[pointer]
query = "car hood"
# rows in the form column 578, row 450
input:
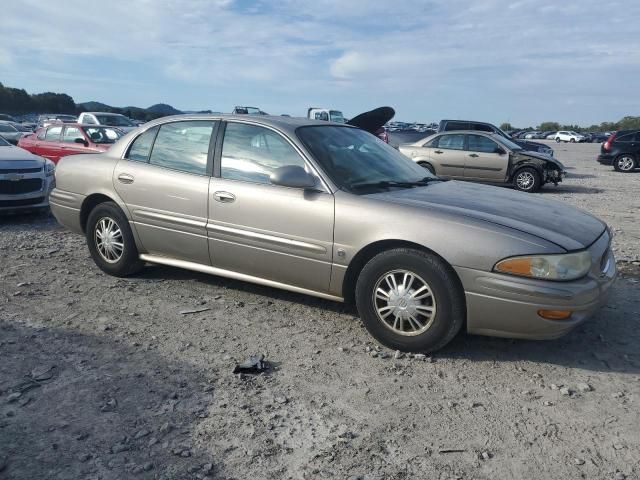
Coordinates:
column 566, row 226
column 373, row 120
column 16, row 157
column 540, row 156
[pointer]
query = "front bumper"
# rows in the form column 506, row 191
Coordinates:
column 605, row 159
column 506, row 306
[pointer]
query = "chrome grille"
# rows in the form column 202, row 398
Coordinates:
column 20, row 170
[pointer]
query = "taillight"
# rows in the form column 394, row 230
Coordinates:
column 607, row 144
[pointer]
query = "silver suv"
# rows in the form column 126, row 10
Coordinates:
column 330, row 210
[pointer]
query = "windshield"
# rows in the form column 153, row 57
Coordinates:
column 508, row 143
column 115, row 120
column 359, row 162
column 336, row 116
column 101, row 135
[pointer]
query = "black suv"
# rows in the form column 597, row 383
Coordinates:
column 622, row 150
column 448, row 125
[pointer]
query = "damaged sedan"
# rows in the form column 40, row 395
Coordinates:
column 329, row 210
column 484, row 157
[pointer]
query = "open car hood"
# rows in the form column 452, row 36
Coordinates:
column 372, row 120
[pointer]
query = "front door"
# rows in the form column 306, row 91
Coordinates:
column 69, row 145
column 164, row 181
column 264, row 230
column 449, row 155
column 485, row 160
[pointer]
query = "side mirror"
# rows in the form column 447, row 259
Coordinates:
column 500, row 151
column 292, row 176
column 82, row 141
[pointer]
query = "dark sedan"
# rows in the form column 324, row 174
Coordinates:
column 622, row 150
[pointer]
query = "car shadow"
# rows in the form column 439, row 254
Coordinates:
column 568, row 188
column 161, row 272
column 609, row 336
column 77, row 405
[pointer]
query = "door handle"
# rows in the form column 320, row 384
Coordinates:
column 438, row 151
column 474, row 155
column 125, row 178
column 224, row 197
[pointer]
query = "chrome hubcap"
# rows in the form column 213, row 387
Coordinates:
column 404, row 302
column 109, row 241
column 625, row 163
column 525, row 180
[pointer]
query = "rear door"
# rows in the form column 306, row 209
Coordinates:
column 48, row 144
column 449, row 155
column 483, row 162
column 268, row 231
column 164, row 181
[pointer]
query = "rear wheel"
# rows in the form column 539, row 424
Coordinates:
column 557, row 139
column 111, row 242
column 624, row 163
column 527, row 180
column 410, row 300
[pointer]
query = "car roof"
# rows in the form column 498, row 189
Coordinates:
column 103, row 113
column 286, row 125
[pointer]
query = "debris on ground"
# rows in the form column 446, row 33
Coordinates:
column 253, row 364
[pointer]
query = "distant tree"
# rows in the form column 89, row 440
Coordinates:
column 506, row 126
column 549, row 126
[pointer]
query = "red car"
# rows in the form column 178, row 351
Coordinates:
column 62, row 139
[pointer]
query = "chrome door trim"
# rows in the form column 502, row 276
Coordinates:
column 198, row 267
column 238, row 232
column 168, row 218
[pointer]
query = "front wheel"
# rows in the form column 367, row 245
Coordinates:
column 111, row 242
column 557, row 139
column 527, row 180
column 410, row 300
column 624, row 163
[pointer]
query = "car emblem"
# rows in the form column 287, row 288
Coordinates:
column 14, row 177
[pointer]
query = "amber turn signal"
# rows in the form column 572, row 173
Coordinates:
column 555, row 314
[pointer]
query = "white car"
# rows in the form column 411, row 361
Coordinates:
column 568, row 136
column 108, row 120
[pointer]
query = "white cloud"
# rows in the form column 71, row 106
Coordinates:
column 418, row 55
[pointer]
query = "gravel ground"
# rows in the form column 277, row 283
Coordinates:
column 105, row 378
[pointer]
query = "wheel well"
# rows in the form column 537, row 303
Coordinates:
column 89, row 204
column 528, row 165
column 367, row 253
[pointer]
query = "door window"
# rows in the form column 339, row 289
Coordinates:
column 183, row 146
column 6, row 129
column 141, row 147
column 252, row 153
column 452, row 142
column 479, row 143
column 53, row 134
column 71, row 134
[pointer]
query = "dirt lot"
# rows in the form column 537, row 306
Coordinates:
column 104, row 378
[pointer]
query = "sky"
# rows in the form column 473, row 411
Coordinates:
column 518, row 61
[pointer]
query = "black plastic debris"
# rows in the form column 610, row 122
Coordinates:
column 253, row 364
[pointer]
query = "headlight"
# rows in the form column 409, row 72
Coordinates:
column 570, row 266
column 49, row 168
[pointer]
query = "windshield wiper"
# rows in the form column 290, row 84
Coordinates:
column 393, row 183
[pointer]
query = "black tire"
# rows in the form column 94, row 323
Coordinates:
column 447, row 298
column 527, row 180
column 128, row 261
column 428, row 166
column 572, row 140
column 557, row 139
column 625, row 163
